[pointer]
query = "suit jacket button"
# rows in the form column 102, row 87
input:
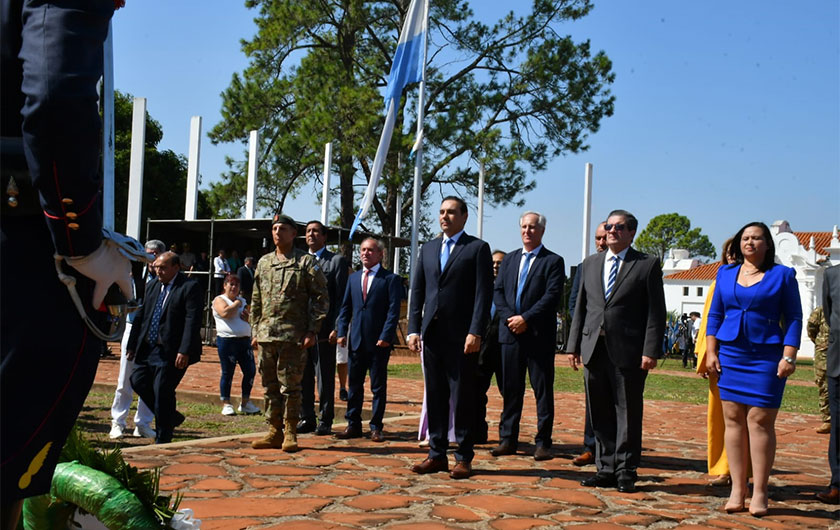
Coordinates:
column 73, row 226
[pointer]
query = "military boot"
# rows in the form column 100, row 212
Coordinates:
column 290, row 443
column 272, row 440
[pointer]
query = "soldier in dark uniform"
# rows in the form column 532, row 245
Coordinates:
column 51, row 61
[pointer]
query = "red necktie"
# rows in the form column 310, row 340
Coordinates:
column 365, row 285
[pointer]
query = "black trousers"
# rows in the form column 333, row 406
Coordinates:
column 489, row 365
column 834, row 437
column 615, row 397
column 518, row 357
column 447, row 370
column 48, row 357
column 360, row 362
column 156, row 384
column 320, row 367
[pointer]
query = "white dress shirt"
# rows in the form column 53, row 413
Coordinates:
column 608, row 265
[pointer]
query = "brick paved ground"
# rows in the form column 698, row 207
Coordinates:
column 359, row 484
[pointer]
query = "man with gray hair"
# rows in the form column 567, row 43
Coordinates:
column 526, row 294
column 370, row 312
column 124, row 394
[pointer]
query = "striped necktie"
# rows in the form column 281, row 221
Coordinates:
column 611, row 278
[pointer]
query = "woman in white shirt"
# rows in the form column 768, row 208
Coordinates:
column 233, row 340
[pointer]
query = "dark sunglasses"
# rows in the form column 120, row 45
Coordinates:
column 618, row 227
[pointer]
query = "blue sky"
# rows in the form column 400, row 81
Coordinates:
column 726, row 112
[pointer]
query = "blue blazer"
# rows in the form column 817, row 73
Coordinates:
column 373, row 319
column 539, row 300
column 770, row 314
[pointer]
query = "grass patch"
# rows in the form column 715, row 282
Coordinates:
column 690, row 388
column 203, row 421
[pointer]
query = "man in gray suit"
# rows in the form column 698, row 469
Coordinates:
column 831, row 309
column 618, row 328
column 320, row 362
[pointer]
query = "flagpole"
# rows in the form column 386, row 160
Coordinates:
column 418, row 160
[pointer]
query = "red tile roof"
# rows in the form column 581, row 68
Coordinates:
column 703, row 272
column 821, row 240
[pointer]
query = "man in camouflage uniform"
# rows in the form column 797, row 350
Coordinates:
column 288, row 305
column 818, row 333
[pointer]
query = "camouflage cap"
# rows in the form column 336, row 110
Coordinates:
column 281, row 218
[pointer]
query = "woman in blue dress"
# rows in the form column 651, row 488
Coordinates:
column 752, row 337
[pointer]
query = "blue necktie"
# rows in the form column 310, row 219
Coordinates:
column 155, row 325
column 444, row 255
column 523, row 275
column 611, row 278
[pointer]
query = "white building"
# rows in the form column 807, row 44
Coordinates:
column 687, row 281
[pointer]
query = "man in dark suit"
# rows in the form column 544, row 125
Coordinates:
column 587, row 457
column 450, row 306
column 526, row 294
column 831, row 309
column 246, row 278
column 320, row 363
column 164, row 340
column 617, row 329
column 372, row 301
column 489, row 362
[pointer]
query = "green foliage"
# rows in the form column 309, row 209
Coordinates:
column 672, row 230
column 144, row 484
column 515, row 93
column 164, row 174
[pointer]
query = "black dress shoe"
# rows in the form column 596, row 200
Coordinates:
column 342, row 394
column 599, row 480
column 350, row 432
column 323, row 429
column 178, row 419
column 626, row 485
column 377, row 436
column 542, row 453
column 305, row 426
column 505, row 447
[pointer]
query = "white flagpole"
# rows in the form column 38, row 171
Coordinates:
column 587, row 206
column 418, row 160
column 481, row 200
column 325, row 197
column 253, row 166
column 191, row 199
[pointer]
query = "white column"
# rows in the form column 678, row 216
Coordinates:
column 108, row 131
column 397, row 229
column 587, row 206
column 253, row 163
column 325, row 195
column 480, row 231
column 135, row 168
column 191, row 202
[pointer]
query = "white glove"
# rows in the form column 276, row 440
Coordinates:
column 106, row 265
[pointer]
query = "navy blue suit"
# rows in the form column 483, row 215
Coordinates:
column 534, row 349
column 831, row 309
column 369, row 320
column 51, row 61
column 155, row 376
column 446, row 306
column 320, row 359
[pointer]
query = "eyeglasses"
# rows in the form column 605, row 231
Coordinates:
column 618, row 227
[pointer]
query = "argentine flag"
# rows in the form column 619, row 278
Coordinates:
column 406, row 68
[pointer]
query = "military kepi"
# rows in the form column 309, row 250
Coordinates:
column 281, row 218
